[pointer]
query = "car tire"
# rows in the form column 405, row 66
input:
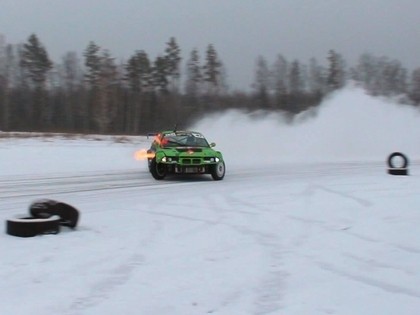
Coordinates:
column 218, row 170
column 158, row 170
column 31, row 226
column 394, row 155
column 69, row 216
column 397, row 170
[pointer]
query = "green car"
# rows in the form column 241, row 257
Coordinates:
column 184, row 152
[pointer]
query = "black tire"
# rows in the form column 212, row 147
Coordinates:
column 69, row 216
column 397, row 154
column 30, row 226
column 218, row 171
column 398, row 171
column 158, row 170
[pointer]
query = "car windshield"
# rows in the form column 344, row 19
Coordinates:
column 184, row 140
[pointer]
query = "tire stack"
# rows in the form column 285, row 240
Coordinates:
column 397, row 170
column 46, row 217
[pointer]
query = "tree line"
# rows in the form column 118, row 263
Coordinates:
column 94, row 93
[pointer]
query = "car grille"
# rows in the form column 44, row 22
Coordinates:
column 191, row 161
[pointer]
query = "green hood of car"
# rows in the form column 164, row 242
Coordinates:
column 187, row 152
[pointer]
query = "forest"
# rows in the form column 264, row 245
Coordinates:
column 94, row 93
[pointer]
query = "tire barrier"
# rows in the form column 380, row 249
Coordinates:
column 30, row 226
column 69, row 215
column 46, row 217
column 397, row 170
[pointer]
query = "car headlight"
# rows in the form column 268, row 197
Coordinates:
column 217, row 159
column 167, row 159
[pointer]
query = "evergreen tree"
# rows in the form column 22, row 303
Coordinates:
column 393, row 78
column 93, row 64
column 295, row 79
column 366, row 73
column 317, row 82
column 380, row 75
column 160, row 74
column 173, row 60
column 336, row 71
column 35, row 60
column 139, row 78
column 194, row 78
column 262, row 83
column 102, row 78
column 296, row 89
column 280, row 81
column 415, row 87
column 139, row 72
column 212, row 71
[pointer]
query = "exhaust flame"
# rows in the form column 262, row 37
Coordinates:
column 143, row 155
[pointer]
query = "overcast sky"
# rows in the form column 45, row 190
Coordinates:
column 240, row 30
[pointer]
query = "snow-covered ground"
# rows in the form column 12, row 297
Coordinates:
column 307, row 221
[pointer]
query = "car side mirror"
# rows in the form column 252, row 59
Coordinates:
column 212, row 144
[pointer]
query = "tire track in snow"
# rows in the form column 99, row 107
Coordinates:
column 118, row 276
column 14, row 189
column 269, row 292
column 383, row 285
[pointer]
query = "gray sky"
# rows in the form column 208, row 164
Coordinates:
column 240, row 30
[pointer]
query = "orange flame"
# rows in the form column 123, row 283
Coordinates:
column 157, row 138
column 143, row 155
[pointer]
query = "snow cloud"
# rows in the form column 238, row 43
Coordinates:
column 348, row 126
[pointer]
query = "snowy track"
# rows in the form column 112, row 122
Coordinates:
column 64, row 184
column 288, row 239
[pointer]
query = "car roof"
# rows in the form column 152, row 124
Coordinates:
column 180, row 132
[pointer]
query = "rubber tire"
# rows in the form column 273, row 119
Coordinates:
column 399, row 154
column 398, row 171
column 218, row 171
column 392, row 170
column 69, row 216
column 158, row 170
column 30, row 226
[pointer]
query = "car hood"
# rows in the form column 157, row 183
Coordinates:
column 189, row 151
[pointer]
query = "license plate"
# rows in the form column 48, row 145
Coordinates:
column 191, row 170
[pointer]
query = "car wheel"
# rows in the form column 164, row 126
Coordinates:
column 218, row 171
column 158, row 170
column 69, row 216
column 30, row 226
